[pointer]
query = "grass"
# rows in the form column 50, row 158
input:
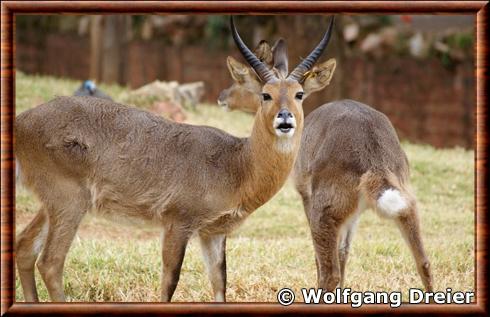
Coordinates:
column 273, row 249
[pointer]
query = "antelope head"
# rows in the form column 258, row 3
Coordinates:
column 246, row 92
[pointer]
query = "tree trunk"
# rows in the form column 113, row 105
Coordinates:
column 95, row 46
column 109, row 39
column 114, row 48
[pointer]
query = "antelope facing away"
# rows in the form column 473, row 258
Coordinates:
column 350, row 158
column 82, row 153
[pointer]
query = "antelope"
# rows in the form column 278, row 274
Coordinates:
column 80, row 154
column 350, row 159
column 238, row 98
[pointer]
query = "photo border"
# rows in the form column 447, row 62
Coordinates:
column 10, row 8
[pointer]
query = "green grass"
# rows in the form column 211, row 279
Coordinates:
column 273, row 249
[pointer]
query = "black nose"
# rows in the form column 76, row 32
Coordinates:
column 284, row 114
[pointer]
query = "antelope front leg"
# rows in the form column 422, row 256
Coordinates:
column 214, row 252
column 61, row 232
column 410, row 229
column 174, row 243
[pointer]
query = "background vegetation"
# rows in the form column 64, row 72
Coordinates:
column 273, row 249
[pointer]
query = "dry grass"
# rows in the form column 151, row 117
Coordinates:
column 272, row 250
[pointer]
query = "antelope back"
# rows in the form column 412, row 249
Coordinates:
column 344, row 139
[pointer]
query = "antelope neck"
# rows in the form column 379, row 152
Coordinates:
column 267, row 167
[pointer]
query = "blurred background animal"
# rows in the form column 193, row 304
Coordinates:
column 88, row 88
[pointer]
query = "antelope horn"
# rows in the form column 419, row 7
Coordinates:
column 264, row 73
column 298, row 73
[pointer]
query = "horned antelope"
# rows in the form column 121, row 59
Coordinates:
column 350, row 159
column 82, row 153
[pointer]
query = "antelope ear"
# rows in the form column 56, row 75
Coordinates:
column 239, row 72
column 319, row 76
column 243, row 75
column 280, row 51
column 263, row 51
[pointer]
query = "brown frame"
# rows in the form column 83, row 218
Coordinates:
column 10, row 8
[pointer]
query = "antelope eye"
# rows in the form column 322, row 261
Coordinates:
column 299, row 95
column 266, row 97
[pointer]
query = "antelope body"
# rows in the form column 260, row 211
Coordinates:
column 81, row 153
column 350, row 159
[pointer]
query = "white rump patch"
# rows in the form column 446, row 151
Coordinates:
column 391, row 202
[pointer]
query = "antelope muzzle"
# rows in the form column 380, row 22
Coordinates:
column 284, row 123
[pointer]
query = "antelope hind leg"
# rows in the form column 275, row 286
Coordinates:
column 29, row 244
column 409, row 226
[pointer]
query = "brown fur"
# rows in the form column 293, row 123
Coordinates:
column 372, row 184
column 239, row 99
column 80, row 153
column 350, row 151
column 349, row 155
